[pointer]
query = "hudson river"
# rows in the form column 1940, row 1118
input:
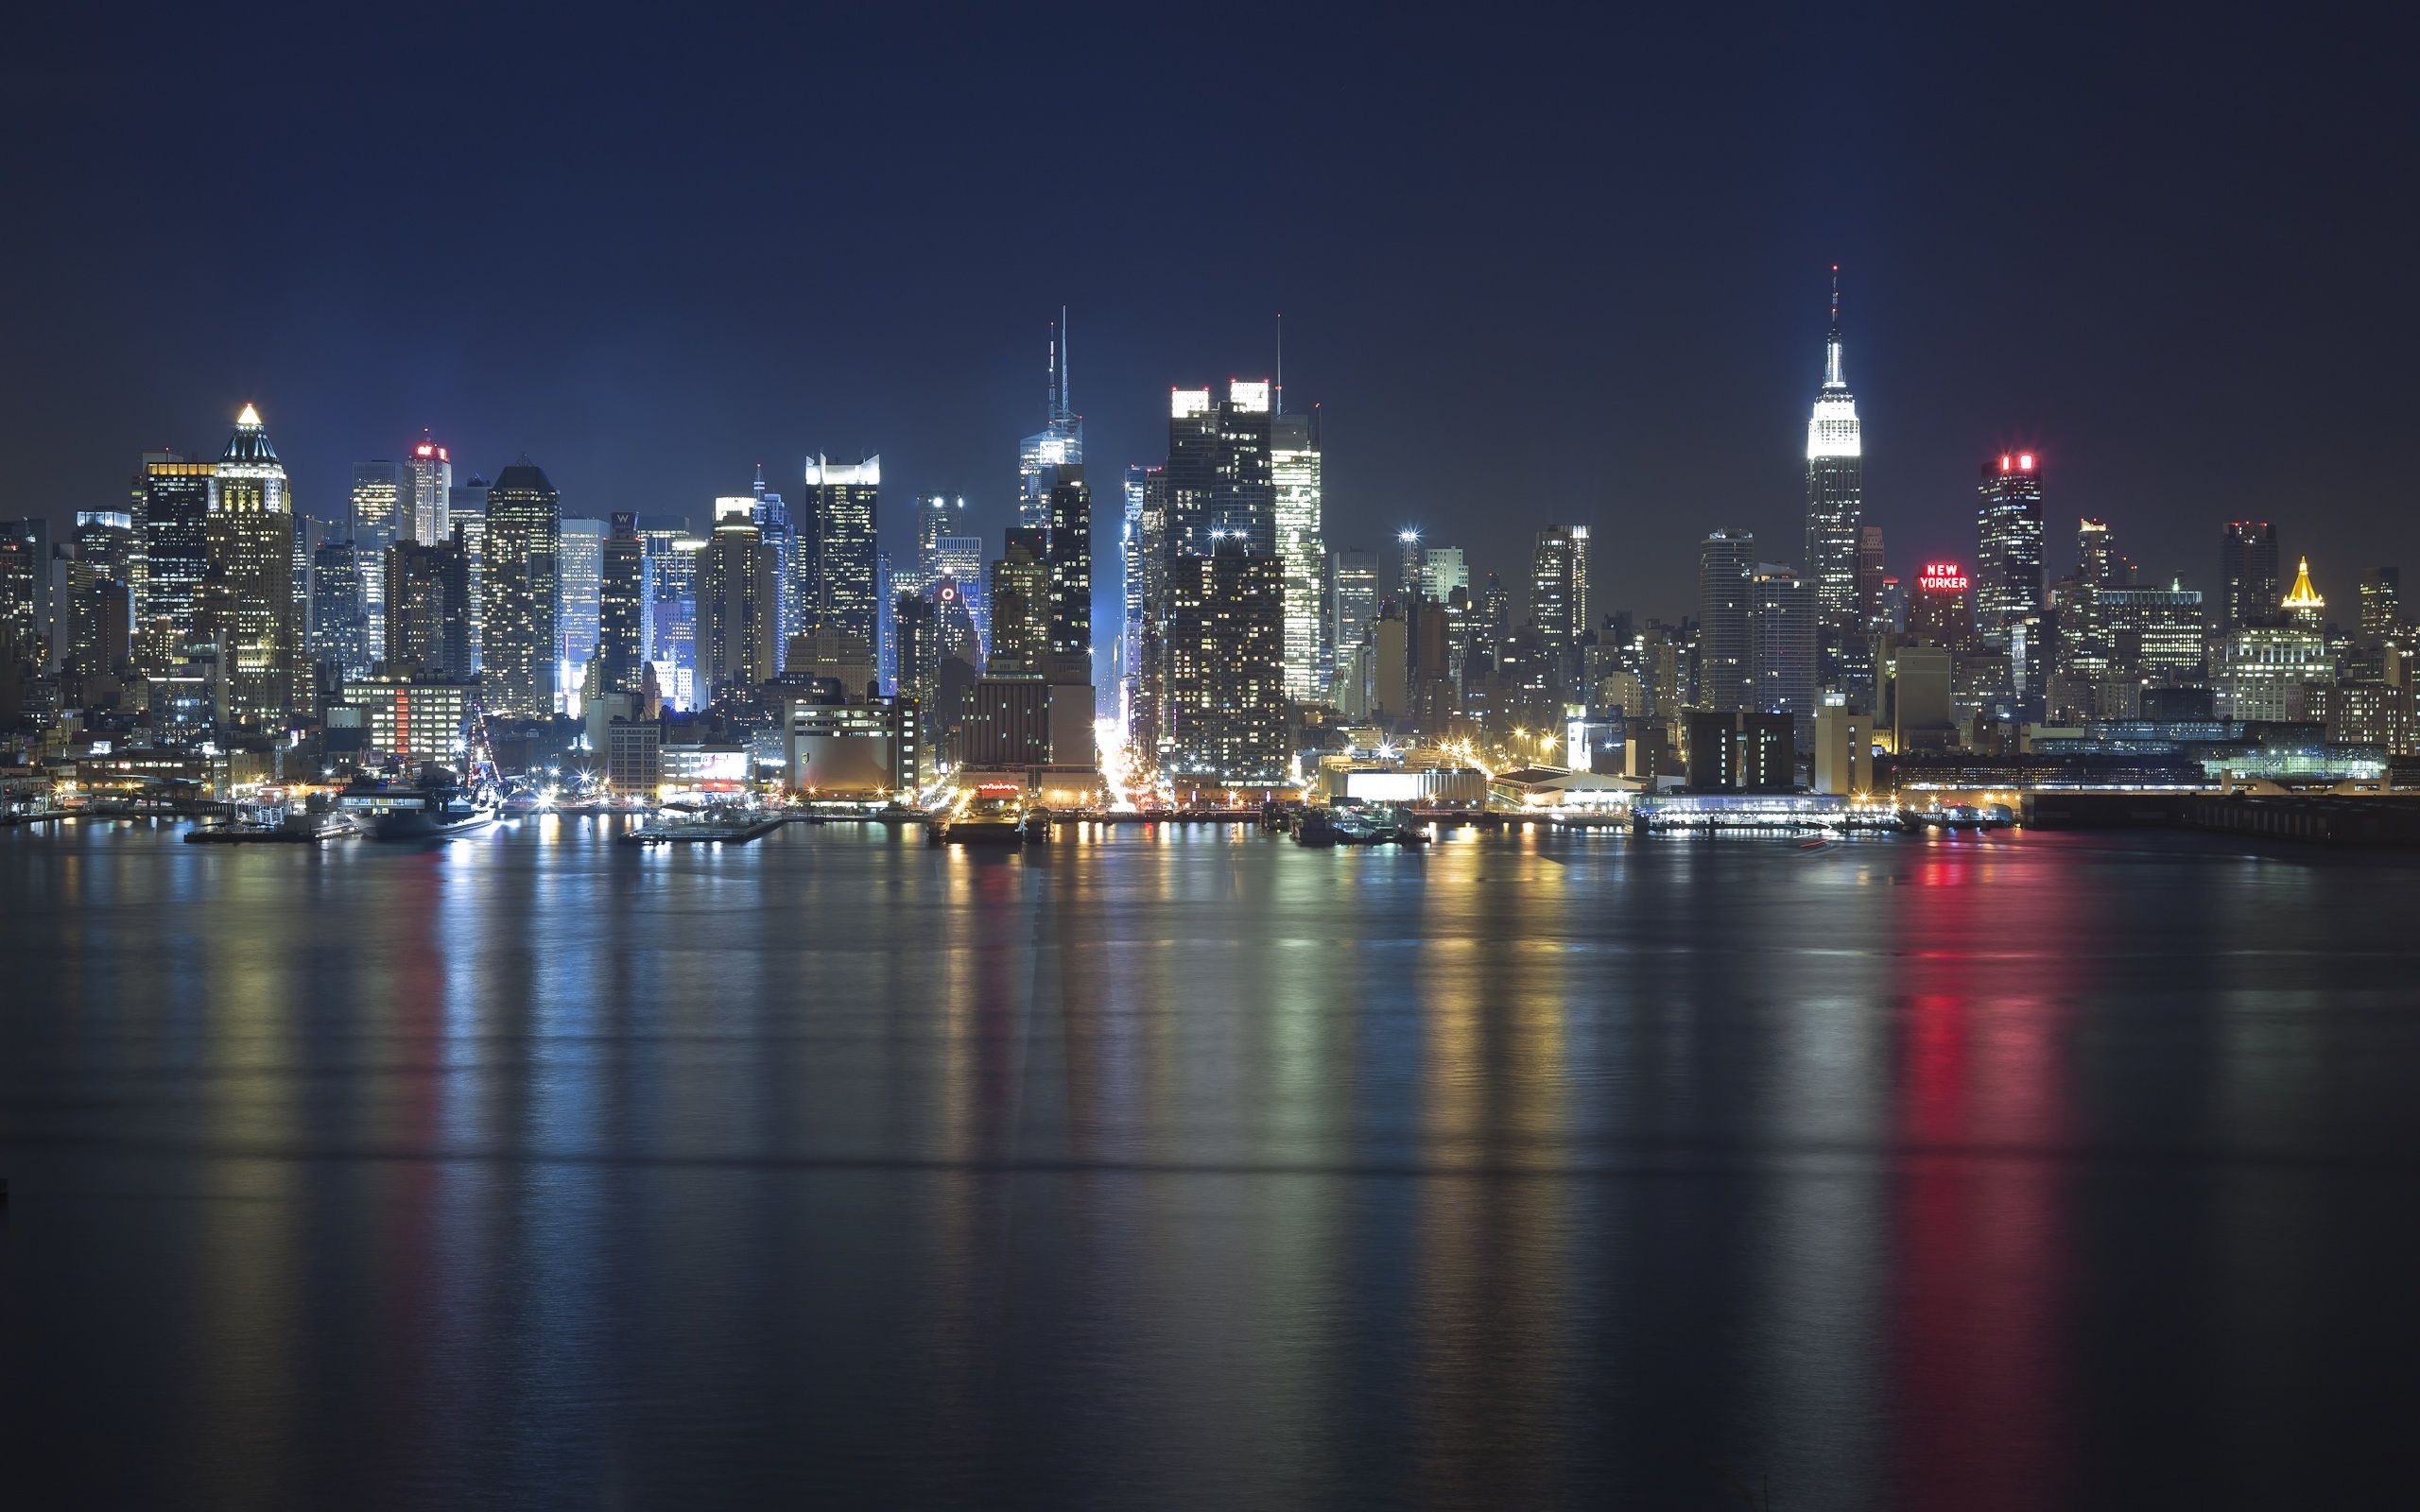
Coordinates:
column 1197, row 1169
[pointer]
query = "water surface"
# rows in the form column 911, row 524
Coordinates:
column 1192, row 1168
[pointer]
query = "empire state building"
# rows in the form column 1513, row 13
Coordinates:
column 1835, row 518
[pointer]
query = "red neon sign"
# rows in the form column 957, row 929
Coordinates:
column 1941, row 577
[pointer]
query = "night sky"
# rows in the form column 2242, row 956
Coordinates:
column 1532, row 268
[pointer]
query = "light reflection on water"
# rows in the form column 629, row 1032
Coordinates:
column 1174, row 1166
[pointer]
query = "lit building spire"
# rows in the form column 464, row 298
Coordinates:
column 249, row 419
column 1832, row 375
column 2303, row 605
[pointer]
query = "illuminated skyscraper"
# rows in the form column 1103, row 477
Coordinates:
column 738, row 604
column 1835, row 524
column 2010, row 580
column 429, row 487
column 1443, row 569
column 1192, row 470
column 959, row 560
column 580, row 578
column 624, row 595
column 524, row 540
column 1071, row 576
column 1021, row 604
column 672, row 618
column 466, row 512
column 339, row 628
column 170, row 520
column 2248, row 585
column 1294, row 472
column 1559, row 587
column 938, row 517
column 1227, row 714
column 1130, row 579
column 1726, row 620
column 1942, row 610
column 1059, row 443
column 1784, row 633
column 1243, row 499
column 2381, row 604
column 842, row 501
column 1353, row 591
column 247, row 599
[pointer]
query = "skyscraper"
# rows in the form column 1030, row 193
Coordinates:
column 623, row 597
column 1137, row 485
column 841, row 500
column 1295, row 474
column 1243, row 497
column 428, row 610
column 1352, row 579
column 247, row 599
column 1726, row 620
column 738, row 604
column 1059, row 443
column 1442, row 570
column 524, row 542
column 1070, row 545
column 772, row 513
column 1021, row 604
column 672, row 617
column 1227, row 717
column 2381, row 604
column 1559, row 586
column 938, row 517
column 170, row 522
column 1836, row 521
column 466, row 513
column 579, row 575
column 429, row 487
column 339, row 626
column 2009, row 580
column 2301, row 604
column 959, row 560
column 379, row 500
column 1192, row 470
column 2249, row 587
column 1785, row 613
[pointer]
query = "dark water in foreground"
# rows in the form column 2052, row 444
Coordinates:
column 1199, row 1169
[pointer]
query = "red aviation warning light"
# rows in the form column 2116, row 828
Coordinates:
column 2025, row 462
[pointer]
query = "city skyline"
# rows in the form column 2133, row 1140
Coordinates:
column 1648, row 392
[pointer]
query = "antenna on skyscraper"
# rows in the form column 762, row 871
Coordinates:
column 1066, row 391
column 1278, row 402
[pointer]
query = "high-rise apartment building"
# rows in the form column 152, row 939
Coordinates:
column 1227, row 712
column 841, row 500
column 1243, row 500
column 1942, row 612
column 1726, row 620
column 1353, row 594
column 1442, row 570
column 624, row 596
column 2009, row 578
column 2249, row 588
column 2155, row 634
column 522, row 593
column 1836, row 523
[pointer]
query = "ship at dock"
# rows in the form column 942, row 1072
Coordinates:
column 431, row 808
